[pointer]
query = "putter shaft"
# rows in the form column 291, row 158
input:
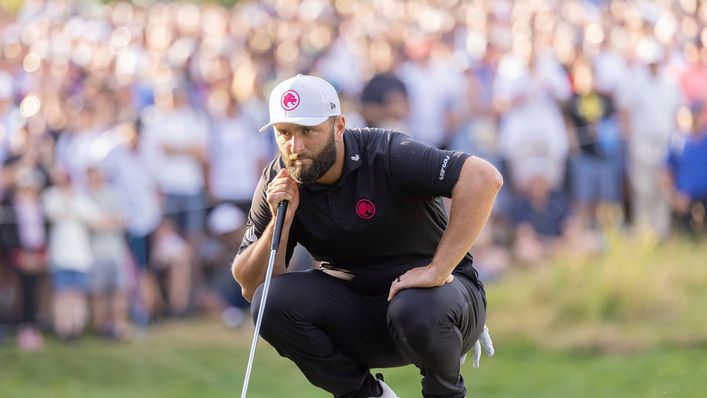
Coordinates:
column 279, row 221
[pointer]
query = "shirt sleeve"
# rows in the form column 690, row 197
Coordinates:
column 422, row 170
column 259, row 216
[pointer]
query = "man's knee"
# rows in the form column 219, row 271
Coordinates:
column 414, row 322
column 280, row 299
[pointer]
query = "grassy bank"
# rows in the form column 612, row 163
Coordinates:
column 635, row 296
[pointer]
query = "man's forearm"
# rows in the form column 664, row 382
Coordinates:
column 250, row 266
column 472, row 200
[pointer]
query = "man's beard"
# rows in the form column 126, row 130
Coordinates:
column 321, row 163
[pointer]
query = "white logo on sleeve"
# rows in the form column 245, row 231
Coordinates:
column 250, row 235
column 355, row 157
column 444, row 168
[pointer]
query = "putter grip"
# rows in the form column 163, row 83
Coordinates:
column 279, row 220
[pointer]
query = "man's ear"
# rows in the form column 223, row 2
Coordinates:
column 340, row 127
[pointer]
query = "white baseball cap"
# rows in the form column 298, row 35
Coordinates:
column 304, row 100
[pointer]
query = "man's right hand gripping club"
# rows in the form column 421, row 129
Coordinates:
column 250, row 266
column 283, row 187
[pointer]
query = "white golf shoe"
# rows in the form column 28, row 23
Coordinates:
column 387, row 391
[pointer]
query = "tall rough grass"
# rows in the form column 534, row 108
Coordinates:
column 635, row 295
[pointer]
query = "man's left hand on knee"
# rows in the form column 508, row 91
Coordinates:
column 420, row 277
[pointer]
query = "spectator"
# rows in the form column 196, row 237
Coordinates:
column 610, row 69
column 73, row 74
column 238, row 153
column 684, row 177
column 108, row 277
column 71, row 215
column 226, row 227
column 384, row 99
column 693, row 79
column 478, row 121
column 172, row 259
column 532, row 135
column 73, row 147
column 540, row 217
column 10, row 120
column 650, row 102
column 432, row 88
column 126, row 166
column 177, row 141
column 595, row 168
column 24, row 238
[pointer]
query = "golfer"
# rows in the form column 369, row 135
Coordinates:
column 396, row 285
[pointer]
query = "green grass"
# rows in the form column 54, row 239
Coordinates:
column 630, row 323
column 202, row 359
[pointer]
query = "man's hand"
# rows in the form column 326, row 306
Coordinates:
column 283, row 187
column 421, row 277
column 484, row 340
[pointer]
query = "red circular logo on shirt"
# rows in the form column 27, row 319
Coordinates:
column 365, row 209
column 289, row 100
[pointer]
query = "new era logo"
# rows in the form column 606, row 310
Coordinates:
column 332, row 105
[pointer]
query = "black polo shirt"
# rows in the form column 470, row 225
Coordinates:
column 384, row 215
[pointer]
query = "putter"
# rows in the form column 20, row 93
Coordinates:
column 279, row 220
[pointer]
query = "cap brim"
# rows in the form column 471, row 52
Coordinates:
column 302, row 121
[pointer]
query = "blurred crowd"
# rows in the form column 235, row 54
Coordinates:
column 130, row 149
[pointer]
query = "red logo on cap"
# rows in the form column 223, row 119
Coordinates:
column 289, row 100
column 365, row 209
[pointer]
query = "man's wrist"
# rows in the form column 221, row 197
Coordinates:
column 439, row 272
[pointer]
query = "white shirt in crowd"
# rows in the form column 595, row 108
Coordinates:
column 137, row 189
column 30, row 219
column 10, row 124
column 74, row 152
column 432, row 92
column 610, row 71
column 70, row 214
column 180, row 174
column 108, row 245
column 532, row 133
column 341, row 66
column 651, row 103
column 237, row 155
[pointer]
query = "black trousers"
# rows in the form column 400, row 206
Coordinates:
column 335, row 336
column 28, row 284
